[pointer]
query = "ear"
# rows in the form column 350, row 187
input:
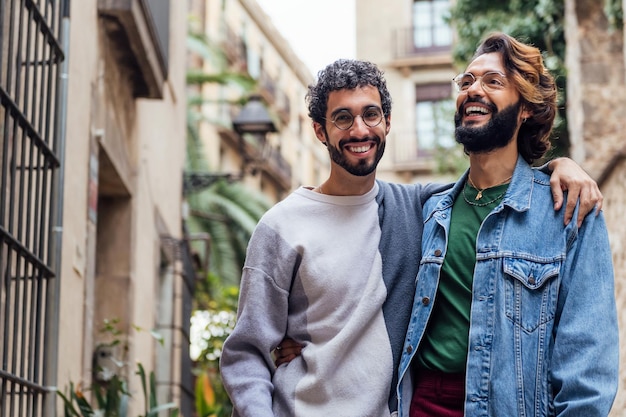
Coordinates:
column 320, row 132
column 388, row 124
column 526, row 114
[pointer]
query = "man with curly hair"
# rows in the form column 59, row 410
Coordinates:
column 514, row 314
column 333, row 267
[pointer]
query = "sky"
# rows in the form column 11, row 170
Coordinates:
column 319, row 31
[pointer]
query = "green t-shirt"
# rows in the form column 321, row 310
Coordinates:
column 444, row 345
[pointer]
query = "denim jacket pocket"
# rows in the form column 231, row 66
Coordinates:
column 531, row 291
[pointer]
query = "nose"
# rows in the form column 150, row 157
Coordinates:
column 476, row 88
column 358, row 126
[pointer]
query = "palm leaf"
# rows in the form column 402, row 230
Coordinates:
column 200, row 45
column 199, row 77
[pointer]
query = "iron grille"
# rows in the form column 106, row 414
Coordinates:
column 30, row 57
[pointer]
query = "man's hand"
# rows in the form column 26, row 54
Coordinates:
column 568, row 175
column 286, row 351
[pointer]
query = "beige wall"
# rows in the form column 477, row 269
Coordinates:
column 83, row 72
column 111, row 266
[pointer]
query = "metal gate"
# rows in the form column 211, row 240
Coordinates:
column 31, row 119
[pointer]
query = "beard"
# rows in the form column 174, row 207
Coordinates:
column 364, row 166
column 496, row 134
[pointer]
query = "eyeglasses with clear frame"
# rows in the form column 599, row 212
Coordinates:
column 371, row 116
column 490, row 81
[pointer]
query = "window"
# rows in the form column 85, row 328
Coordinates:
column 434, row 116
column 429, row 28
column 138, row 31
column 160, row 11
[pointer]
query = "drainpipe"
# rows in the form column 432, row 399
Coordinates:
column 53, row 292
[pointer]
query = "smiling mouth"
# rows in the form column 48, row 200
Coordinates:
column 476, row 111
column 359, row 148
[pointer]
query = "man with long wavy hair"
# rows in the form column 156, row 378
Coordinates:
column 514, row 314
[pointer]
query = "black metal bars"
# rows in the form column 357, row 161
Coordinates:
column 30, row 55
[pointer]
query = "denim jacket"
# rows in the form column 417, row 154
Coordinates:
column 543, row 337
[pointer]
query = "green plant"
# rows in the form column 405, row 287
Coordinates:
column 206, row 404
column 209, row 329
column 615, row 14
column 110, row 394
column 111, row 398
column 152, row 408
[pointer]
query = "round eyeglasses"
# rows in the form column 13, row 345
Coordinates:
column 371, row 116
column 490, row 81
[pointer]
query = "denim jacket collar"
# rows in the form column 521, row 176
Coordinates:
column 517, row 196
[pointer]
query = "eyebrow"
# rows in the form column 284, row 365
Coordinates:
column 485, row 72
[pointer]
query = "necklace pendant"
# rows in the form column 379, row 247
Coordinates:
column 479, row 195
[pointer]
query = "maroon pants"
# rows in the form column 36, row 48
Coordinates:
column 438, row 394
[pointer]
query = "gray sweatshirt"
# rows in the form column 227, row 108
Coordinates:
column 336, row 274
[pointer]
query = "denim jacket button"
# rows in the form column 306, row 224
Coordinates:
column 531, row 281
column 409, row 349
column 437, row 252
column 425, row 300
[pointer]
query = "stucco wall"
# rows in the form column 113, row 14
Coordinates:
column 146, row 143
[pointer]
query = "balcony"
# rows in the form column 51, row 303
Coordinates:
column 277, row 168
column 408, row 154
column 235, row 49
column 256, row 153
column 274, row 96
column 268, row 87
column 422, row 47
column 283, row 107
column 139, row 33
column 258, row 156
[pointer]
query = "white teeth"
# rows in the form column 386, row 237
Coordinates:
column 359, row 149
column 476, row 109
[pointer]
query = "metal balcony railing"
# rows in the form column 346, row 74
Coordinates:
column 235, row 49
column 278, row 166
column 267, row 83
column 410, row 42
column 407, row 149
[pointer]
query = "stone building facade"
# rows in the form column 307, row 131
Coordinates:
column 596, row 106
column 412, row 44
column 252, row 45
column 123, row 233
column 95, row 233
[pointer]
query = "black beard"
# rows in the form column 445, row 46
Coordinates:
column 363, row 167
column 496, row 134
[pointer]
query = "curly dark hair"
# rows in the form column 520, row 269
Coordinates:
column 345, row 74
column 524, row 66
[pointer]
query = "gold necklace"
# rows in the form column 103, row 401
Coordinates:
column 471, row 203
column 480, row 192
